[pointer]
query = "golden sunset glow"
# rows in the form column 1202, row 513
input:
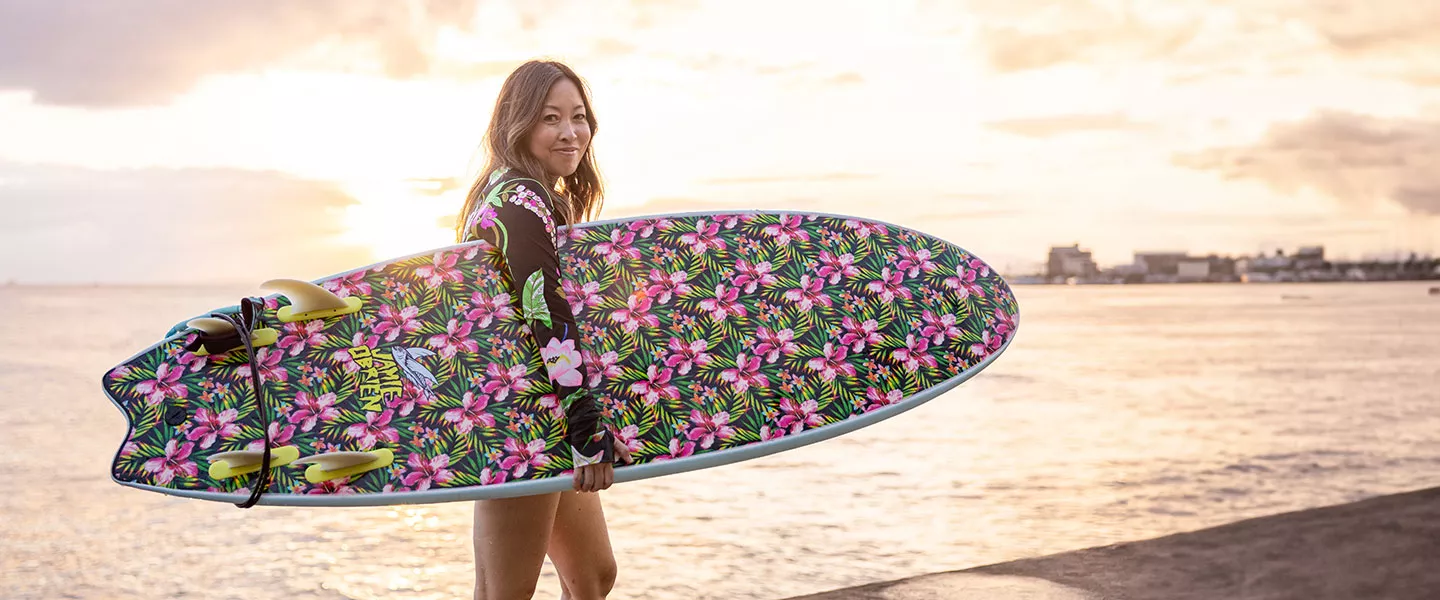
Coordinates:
column 1004, row 127
column 396, row 220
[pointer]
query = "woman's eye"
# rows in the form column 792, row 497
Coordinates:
column 579, row 117
column 552, row 118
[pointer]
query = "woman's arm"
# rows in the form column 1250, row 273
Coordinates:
column 521, row 226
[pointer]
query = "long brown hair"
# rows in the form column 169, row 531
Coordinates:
column 517, row 110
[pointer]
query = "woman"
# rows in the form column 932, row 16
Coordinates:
column 540, row 174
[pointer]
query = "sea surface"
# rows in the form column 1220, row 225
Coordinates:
column 1119, row 413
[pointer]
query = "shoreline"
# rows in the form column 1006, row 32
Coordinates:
column 1382, row 548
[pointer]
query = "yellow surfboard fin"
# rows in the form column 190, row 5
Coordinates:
column 309, row 301
column 213, row 326
column 334, row 465
column 224, row 465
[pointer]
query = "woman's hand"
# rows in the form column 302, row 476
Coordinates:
column 599, row 476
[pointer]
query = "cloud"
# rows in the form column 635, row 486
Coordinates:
column 141, row 52
column 1021, row 36
column 1389, row 38
column 1371, row 27
column 67, row 224
column 1040, row 127
column 1358, row 159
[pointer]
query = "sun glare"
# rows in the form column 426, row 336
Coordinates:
column 399, row 219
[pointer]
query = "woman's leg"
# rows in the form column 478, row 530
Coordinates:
column 510, row 539
column 580, row 547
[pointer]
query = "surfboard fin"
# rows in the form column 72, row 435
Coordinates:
column 224, row 465
column 334, row 465
column 214, row 327
column 309, row 301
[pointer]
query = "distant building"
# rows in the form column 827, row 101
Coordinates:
column 1222, row 268
column 1310, row 257
column 1070, row 261
column 1193, row 269
column 1158, row 263
column 1266, row 264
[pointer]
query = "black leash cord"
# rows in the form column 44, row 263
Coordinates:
column 248, row 316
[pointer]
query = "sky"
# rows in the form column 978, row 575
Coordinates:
column 153, row 141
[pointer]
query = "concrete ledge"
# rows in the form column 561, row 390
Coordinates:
column 1384, row 548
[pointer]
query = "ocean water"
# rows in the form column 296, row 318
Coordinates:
column 1119, row 413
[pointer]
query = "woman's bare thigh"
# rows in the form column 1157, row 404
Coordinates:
column 580, row 547
column 511, row 536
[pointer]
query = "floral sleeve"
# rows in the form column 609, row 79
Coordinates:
column 514, row 215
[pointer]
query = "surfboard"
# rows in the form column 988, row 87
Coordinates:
column 708, row 339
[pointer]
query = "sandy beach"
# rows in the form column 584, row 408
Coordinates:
column 1381, row 548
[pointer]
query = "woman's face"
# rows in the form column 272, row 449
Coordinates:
column 562, row 135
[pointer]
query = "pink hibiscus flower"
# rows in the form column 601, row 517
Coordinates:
column 745, row 374
column 503, row 380
column 488, row 308
column 663, row 285
column 518, row 459
column 914, row 354
column 705, row 238
column 636, row 313
column 394, row 322
column 964, row 282
column 832, row 363
column 345, row 286
column 677, row 450
column 750, row 276
column 455, row 339
column 889, row 286
column 809, row 294
column 441, row 270
column 269, row 364
column 279, row 436
column 470, row 413
column 708, row 428
column 774, row 344
column 176, row 461
column 375, row 428
column 619, row 247
column 209, row 425
column 798, row 415
column 865, row 229
column 1004, row 322
column 298, row 335
column 343, row 356
column 912, row 262
column 684, row 354
column 878, row 400
column 601, row 366
column 940, row 328
column 987, row 344
column 858, row 334
column 166, row 384
column 724, row 304
column 581, row 296
column 310, row 409
column 787, row 230
column 655, row 386
column 424, row 471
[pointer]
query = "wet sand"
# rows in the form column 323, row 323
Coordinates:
column 1384, row 548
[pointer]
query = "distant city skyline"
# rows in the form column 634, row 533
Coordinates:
column 1399, row 255
column 337, row 135
column 1074, row 263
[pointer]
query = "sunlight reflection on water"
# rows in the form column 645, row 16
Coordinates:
column 1119, row 413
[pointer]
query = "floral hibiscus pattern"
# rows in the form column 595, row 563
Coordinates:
column 698, row 333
